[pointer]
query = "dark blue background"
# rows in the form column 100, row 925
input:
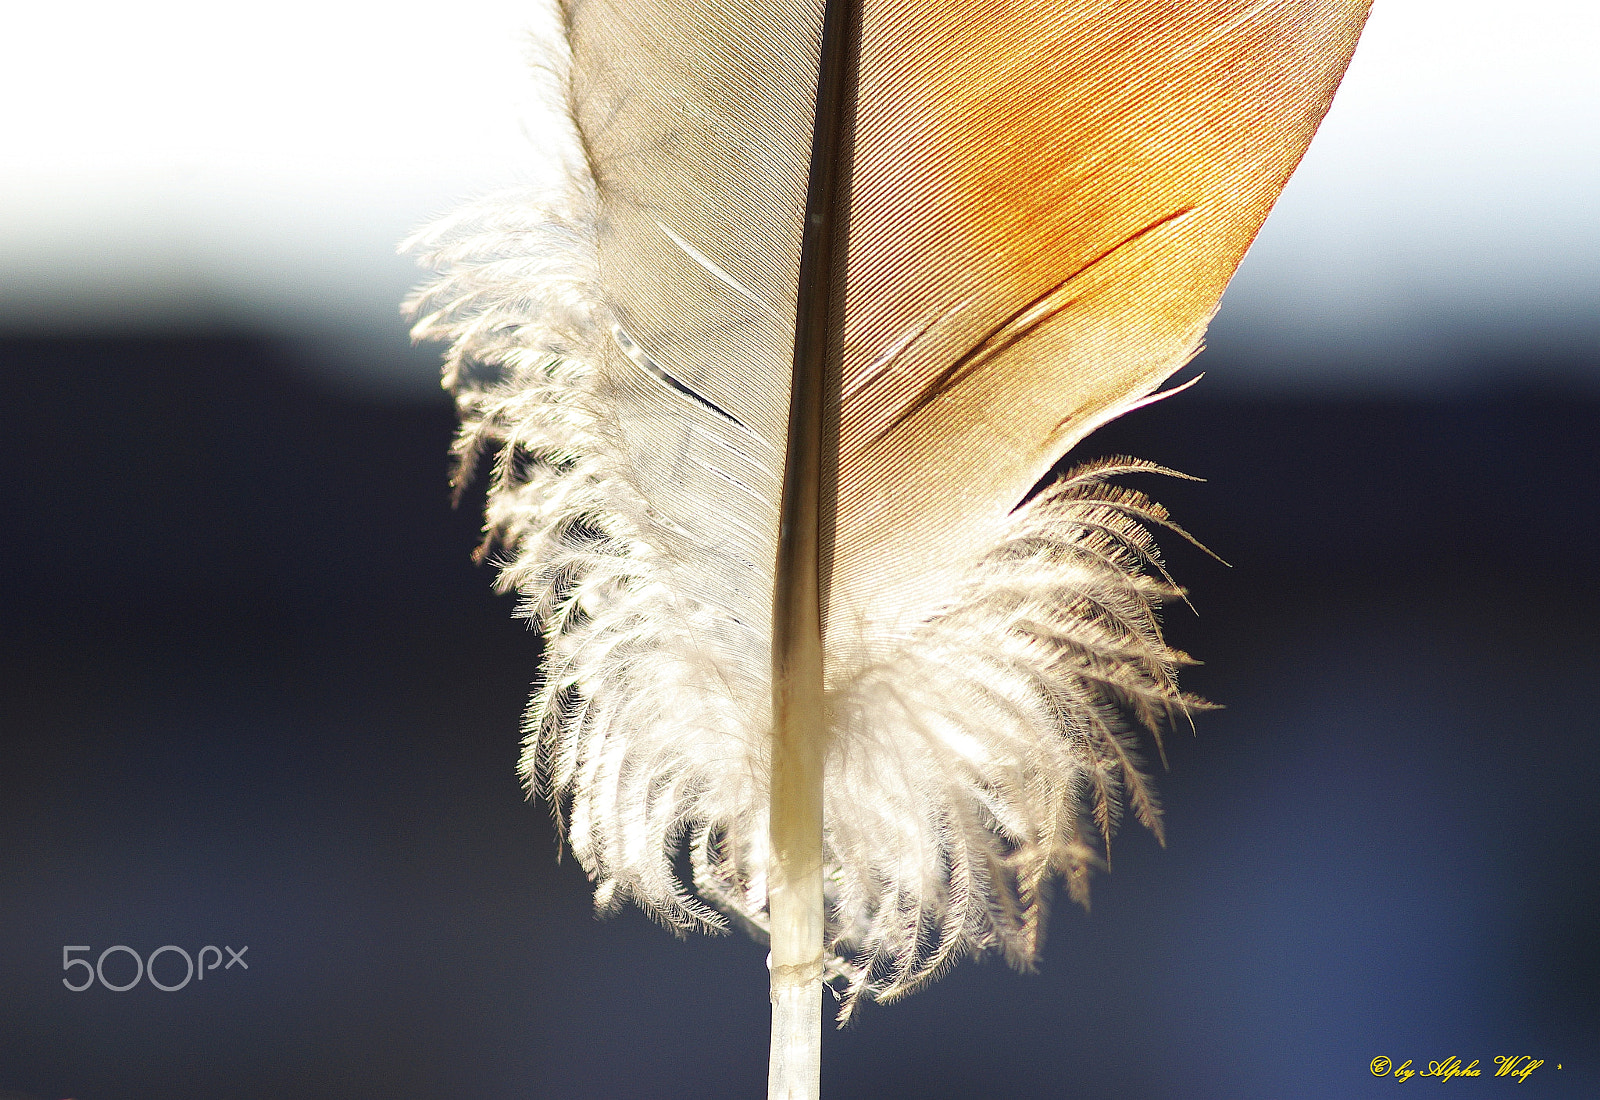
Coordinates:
column 255, row 694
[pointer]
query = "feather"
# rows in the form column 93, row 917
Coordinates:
column 831, row 288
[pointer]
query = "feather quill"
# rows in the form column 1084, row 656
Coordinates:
column 833, row 285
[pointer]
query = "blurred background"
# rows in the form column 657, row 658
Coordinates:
column 255, row 695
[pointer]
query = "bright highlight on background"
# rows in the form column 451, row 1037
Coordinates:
column 1446, row 212
column 178, row 165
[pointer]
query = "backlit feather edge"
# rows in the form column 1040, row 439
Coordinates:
column 966, row 772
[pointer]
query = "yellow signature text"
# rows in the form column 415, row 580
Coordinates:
column 1518, row 1066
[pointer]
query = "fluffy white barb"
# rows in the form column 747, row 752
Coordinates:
column 978, row 760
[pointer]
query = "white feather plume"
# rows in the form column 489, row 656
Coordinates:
column 971, row 765
column 766, row 387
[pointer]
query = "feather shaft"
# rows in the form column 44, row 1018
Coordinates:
column 800, row 729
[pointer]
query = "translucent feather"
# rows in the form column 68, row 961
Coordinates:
column 1041, row 209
